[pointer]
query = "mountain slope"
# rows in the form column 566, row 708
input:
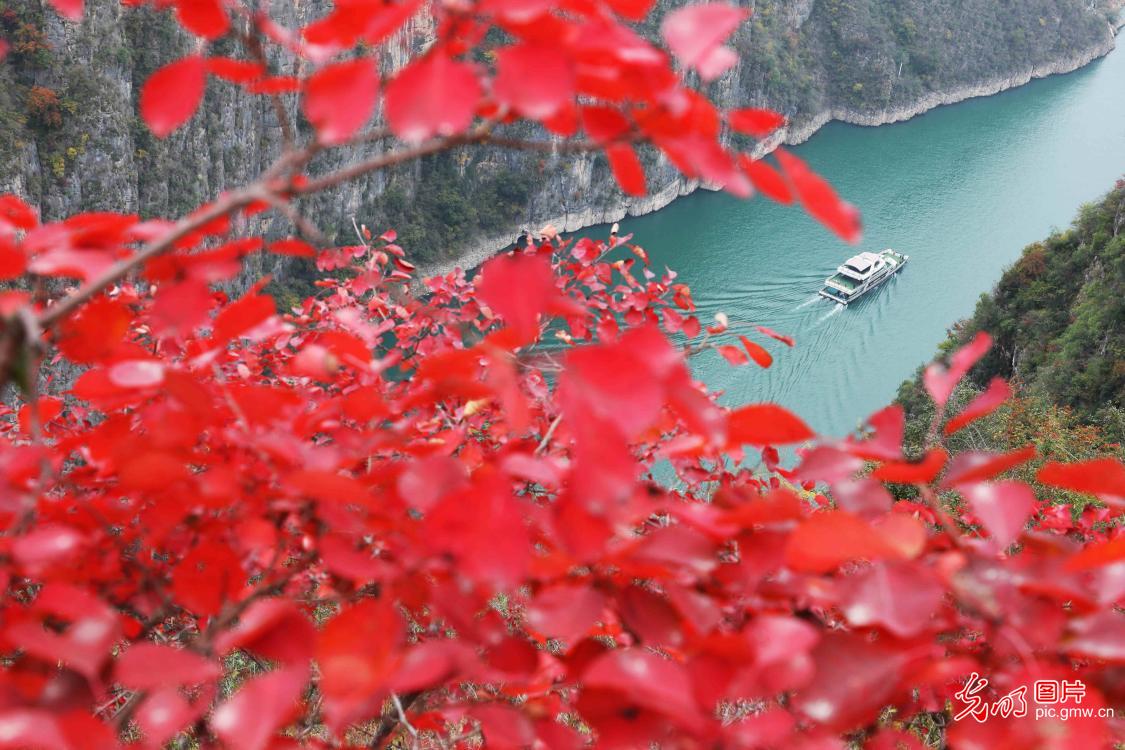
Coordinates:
column 70, row 139
column 1058, row 320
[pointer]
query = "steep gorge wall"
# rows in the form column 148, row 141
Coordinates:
column 862, row 61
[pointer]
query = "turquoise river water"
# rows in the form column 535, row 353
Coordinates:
column 961, row 190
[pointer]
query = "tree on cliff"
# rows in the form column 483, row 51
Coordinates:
column 382, row 518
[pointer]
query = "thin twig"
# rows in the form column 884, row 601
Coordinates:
column 393, row 158
column 402, row 720
column 119, row 270
column 270, row 187
column 550, row 434
column 390, row 724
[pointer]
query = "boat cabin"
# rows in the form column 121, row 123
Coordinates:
column 859, row 267
column 861, row 273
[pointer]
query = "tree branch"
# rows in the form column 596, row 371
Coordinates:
column 390, row 724
column 266, row 189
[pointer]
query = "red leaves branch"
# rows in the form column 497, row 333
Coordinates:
column 416, row 495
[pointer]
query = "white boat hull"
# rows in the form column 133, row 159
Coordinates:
column 846, row 298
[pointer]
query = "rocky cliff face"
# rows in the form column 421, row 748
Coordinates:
column 70, row 139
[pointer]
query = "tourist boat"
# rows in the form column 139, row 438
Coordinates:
column 862, row 273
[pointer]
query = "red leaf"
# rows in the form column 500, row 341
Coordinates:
column 756, row 122
column 997, row 393
column 207, row 578
column 172, row 94
column 627, row 169
column 47, row 545
column 356, row 650
column 13, row 261
column 235, row 71
column 31, row 728
column 565, row 612
column 428, row 480
column 779, row 506
column 826, row 463
column 49, row 408
column 696, row 33
column 766, row 179
column 900, row 597
column 164, row 714
column 651, row 617
column 293, row 247
column 340, row 99
column 646, row 680
column 86, row 644
column 95, row 331
column 136, row 373
column 68, row 9
column 328, row 487
column 16, row 214
column 634, row 10
column 519, row 288
column 828, row 539
column 503, row 727
column 787, row 340
column 147, row 666
column 205, row 18
column 911, row 472
column 181, row 308
column 819, row 199
column 854, row 680
column 1096, row 555
column 705, row 158
column 604, row 124
column 273, row 629
column 1002, row 507
column 250, row 718
column 274, row 85
column 975, row 466
column 756, row 352
column 733, row 355
column 1099, row 636
column 622, row 382
column 863, row 496
column 240, row 317
column 766, row 424
column 889, row 426
column 517, row 11
column 534, row 80
column 940, row 381
column 433, row 96
column 150, row 470
column 1103, row 477
column 482, row 528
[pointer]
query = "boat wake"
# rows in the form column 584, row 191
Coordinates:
column 836, row 310
column 810, row 301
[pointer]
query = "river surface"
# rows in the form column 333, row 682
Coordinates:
column 961, row 190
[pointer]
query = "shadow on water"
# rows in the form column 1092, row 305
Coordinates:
column 961, row 189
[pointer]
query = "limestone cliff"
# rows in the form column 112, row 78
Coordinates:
column 70, row 139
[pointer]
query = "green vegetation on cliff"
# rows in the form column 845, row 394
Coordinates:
column 1058, row 320
column 70, row 139
column 872, row 55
